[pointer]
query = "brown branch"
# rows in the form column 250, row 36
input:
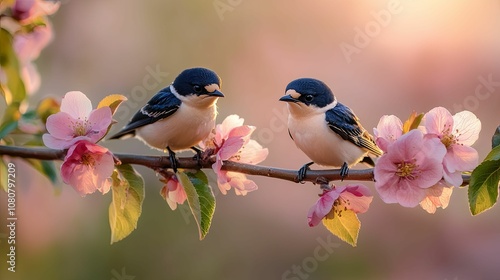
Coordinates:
column 155, row 162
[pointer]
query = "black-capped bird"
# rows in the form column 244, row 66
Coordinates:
column 327, row 131
column 179, row 116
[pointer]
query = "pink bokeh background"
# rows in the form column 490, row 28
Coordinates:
column 429, row 54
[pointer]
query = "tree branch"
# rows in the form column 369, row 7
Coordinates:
column 155, row 162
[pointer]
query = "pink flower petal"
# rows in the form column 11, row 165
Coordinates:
column 407, row 146
column 173, row 193
column 87, row 168
column 243, row 131
column 408, row 195
column 422, row 156
column 322, row 207
column 231, row 141
column 44, row 8
column 54, row 143
column 438, row 120
column 431, row 173
column 31, row 77
column 388, row 130
column 433, row 148
column 241, row 184
column 468, row 127
column 357, row 198
column 388, row 191
column 99, row 121
column 436, row 196
column 29, row 45
column 385, row 170
column 235, row 180
column 73, row 123
column 461, row 158
column 60, row 126
column 253, row 153
column 223, row 181
column 230, row 122
column 22, row 9
column 452, row 178
column 230, row 147
column 79, row 177
column 76, row 104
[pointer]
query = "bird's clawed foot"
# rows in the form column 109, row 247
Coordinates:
column 301, row 174
column 173, row 159
column 198, row 156
column 344, row 171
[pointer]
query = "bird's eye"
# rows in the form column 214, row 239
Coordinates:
column 309, row 98
column 197, row 88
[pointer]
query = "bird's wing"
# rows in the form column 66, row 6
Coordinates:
column 342, row 121
column 161, row 106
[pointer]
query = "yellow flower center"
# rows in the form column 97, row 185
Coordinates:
column 406, row 169
column 80, row 128
column 88, row 160
column 448, row 140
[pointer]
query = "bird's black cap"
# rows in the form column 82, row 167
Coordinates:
column 191, row 78
column 310, row 92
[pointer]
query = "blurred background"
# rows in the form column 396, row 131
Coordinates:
column 380, row 57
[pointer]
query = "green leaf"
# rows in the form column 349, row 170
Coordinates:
column 3, row 174
column 495, row 140
column 7, row 127
column 13, row 91
column 126, row 207
column 413, row 122
column 112, row 101
column 344, row 224
column 200, row 198
column 483, row 187
column 46, row 167
column 28, row 28
column 11, row 68
column 493, row 155
column 47, row 106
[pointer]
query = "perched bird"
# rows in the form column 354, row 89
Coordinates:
column 179, row 116
column 327, row 131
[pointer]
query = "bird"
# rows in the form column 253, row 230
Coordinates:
column 327, row 131
column 179, row 116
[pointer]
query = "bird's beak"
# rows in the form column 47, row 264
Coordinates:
column 288, row 98
column 216, row 93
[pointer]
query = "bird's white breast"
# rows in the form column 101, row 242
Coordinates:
column 182, row 130
column 312, row 135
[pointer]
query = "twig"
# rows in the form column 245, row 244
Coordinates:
column 155, row 162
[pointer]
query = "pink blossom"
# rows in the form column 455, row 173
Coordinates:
column 28, row 47
column 87, row 168
column 173, row 192
column 76, row 121
column 457, row 133
column 231, row 141
column 388, row 130
column 28, row 10
column 437, row 196
column 411, row 165
column 31, row 77
column 353, row 197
